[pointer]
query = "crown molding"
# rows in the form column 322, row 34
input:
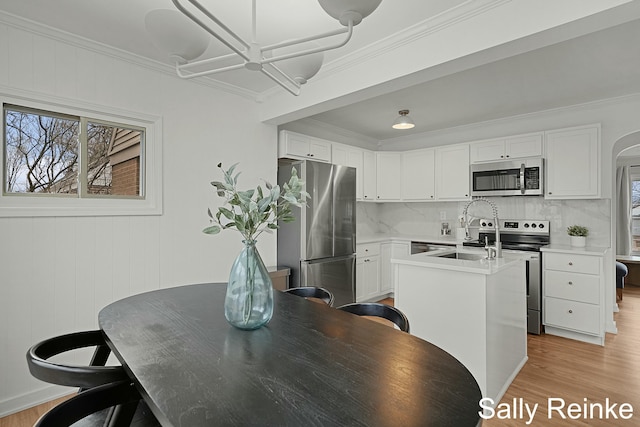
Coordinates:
column 119, row 54
column 434, row 24
column 584, row 106
column 308, row 121
column 448, row 18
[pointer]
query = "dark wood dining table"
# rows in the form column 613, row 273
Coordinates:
column 311, row 365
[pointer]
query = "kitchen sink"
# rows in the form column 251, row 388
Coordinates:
column 465, row 256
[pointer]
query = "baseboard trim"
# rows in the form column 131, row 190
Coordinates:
column 34, row 398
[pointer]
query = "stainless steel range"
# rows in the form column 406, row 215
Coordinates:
column 523, row 238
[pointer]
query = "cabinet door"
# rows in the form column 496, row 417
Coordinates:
column 418, row 175
column 320, row 150
column 294, row 144
column 387, row 252
column 529, row 145
column 572, row 163
column 452, row 172
column 297, row 145
column 367, row 278
column 388, row 184
column 487, row 150
column 368, row 175
column 352, row 157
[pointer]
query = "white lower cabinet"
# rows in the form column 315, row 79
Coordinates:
column 367, row 271
column 573, row 294
column 389, row 250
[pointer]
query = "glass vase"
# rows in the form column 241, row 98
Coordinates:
column 249, row 300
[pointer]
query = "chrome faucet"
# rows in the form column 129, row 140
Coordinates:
column 497, row 246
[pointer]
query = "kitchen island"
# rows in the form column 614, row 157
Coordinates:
column 473, row 309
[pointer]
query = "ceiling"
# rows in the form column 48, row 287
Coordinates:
column 599, row 65
column 120, row 24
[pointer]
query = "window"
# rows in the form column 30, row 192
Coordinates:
column 635, row 211
column 48, row 153
column 69, row 161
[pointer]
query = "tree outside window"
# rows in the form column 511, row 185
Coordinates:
column 48, row 153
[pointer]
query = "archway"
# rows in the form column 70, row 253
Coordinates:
column 630, row 140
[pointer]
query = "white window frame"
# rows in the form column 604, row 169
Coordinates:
column 24, row 205
column 634, row 175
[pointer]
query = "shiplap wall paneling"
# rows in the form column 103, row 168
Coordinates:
column 44, row 61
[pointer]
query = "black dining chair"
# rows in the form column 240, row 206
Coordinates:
column 377, row 309
column 85, row 376
column 312, row 292
column 116, row 404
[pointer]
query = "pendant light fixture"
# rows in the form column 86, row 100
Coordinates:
column 288, row 63
column 403, row 121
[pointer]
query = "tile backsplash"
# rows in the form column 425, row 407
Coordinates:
column 424, row 218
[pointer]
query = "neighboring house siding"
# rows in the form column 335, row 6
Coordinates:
column 125, row 177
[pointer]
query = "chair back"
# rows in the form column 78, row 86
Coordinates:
column 112, row 404
column 312, row 292
column 377, row 309
column 91, row 375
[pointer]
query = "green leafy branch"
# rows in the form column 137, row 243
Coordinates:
column 253, row 211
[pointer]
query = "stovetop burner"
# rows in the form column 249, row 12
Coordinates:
column 520, row 235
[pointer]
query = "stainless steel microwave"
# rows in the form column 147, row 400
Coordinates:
column 522, row 177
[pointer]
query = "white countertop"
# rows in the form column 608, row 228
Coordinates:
column 568, row 249
column 381, row 237
column 433, row 260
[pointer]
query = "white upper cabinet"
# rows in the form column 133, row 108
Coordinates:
column 573, row 163
column 418, row 175
column 346, row 155
column 388, row 183
column 368, row 175
column 452, row 172
column 299, row 146
column 512, row 147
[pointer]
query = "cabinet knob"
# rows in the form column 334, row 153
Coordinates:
column 570, row 311
column 570, row 263
column 550, row 192
column 431, row 197
column 502, row 157
column 570, row 282
column 507, row 156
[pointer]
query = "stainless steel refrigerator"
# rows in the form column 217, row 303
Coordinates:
column 319, row 246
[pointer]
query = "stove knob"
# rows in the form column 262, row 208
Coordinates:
column 541, row 226
column 526, row 225
column 533, row 225
column 484, row 224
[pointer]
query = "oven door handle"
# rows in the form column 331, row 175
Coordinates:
column 522, row 170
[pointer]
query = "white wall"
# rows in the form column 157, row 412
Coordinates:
column 56, row 273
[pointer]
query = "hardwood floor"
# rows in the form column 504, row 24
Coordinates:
column 29, row 416
column 557, row 368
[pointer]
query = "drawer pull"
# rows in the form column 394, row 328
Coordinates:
column 571, row 283
column 570, row 263
column 570, row 311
